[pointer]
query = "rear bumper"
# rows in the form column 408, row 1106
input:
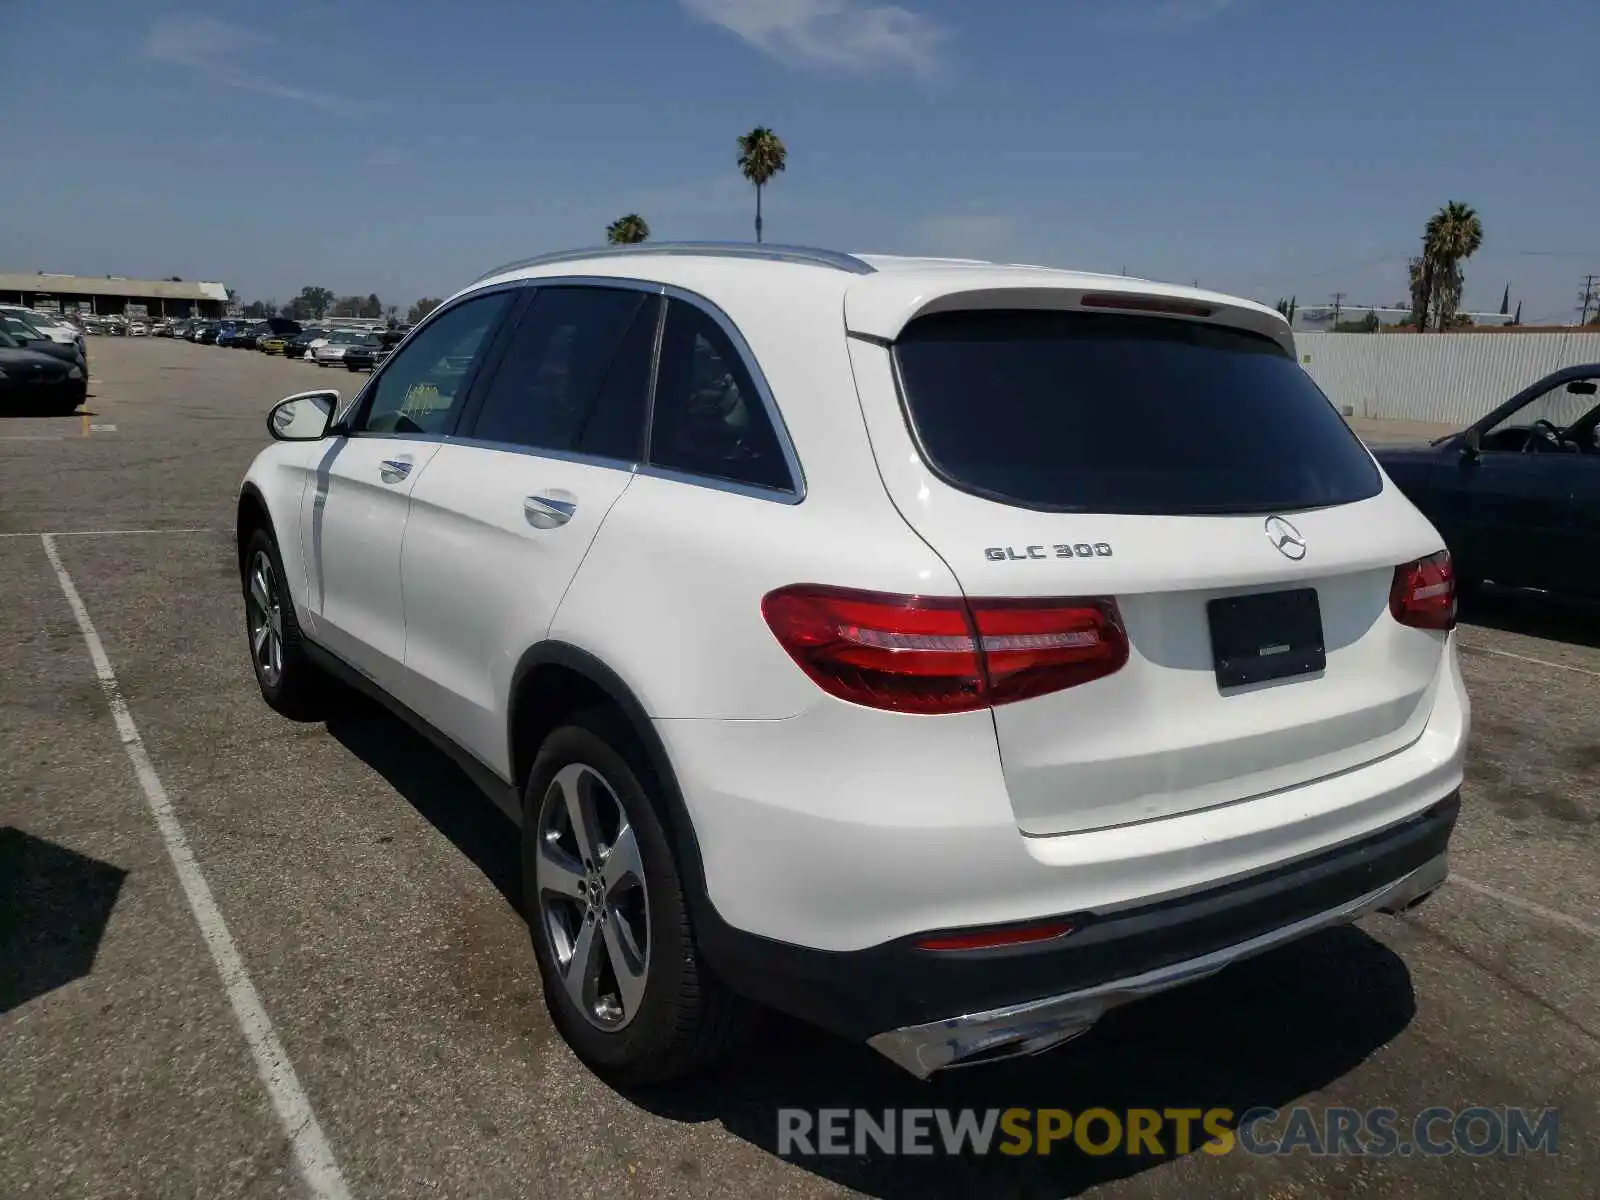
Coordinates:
column 1141, row 953
column 825, row 844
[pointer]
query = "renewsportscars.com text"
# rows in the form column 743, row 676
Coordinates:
column 1476, row 1131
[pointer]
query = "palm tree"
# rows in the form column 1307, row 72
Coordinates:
column 628, row 230
column 762, row 155
column 1453, row 235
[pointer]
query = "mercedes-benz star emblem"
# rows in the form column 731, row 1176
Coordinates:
column 1286, row 538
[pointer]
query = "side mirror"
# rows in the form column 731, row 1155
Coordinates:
column 1472, row 445
column 302, row 418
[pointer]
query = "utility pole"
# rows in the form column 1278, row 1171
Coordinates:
column 1590, row 299
column 1338, row 305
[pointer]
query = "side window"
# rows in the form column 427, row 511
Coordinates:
column 575, row 375
column 423, row 384
column 1564, row 405
column 709, row 418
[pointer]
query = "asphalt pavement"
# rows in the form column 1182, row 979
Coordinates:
column 354, row 950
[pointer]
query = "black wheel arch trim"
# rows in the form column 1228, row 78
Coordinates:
column 676, row 818
column 249, row 492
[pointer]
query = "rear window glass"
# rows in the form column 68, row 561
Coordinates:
column 1093, row 412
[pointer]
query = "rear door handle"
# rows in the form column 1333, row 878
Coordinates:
column 547, row 512
column 393, row 470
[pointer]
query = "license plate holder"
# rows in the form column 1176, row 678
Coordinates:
column 1266, row 636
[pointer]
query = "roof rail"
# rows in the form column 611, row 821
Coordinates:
column 773, row 253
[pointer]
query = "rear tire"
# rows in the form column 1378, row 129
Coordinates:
column 290, row 682
column 604, row 903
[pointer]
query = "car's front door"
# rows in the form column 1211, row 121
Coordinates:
column 1507, row 511
column 506, row 511
column 353, row 518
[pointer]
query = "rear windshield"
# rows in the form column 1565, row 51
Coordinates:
column 1093, row 412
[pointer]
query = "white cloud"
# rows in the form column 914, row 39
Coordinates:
column 212, row 49
column 967, row 235
column 845, row 34
column 1165, row 16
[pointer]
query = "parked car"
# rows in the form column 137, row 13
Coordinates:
column 161, row 329
column 34, row 382
column 369, row 354
column 29, row 337
column 302, row 344
column 227, row 331
column 138, row 329
column 838, row 646
column 331, row 353
column 274, row 334
column 52, row 327
column 1517, row 493
column 208, row 333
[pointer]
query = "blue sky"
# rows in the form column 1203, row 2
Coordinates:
column 1259, row 146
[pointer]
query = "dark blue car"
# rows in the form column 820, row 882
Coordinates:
column 1516, row 495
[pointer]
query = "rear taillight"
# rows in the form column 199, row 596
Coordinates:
column 1423, row 594
column 931, row 654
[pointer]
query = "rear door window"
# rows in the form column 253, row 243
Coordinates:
column 1093, row 412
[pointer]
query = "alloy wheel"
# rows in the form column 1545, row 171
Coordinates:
column 592, row 897
column 264, row 610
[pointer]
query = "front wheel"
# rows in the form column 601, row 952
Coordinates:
column 290, row 682
column 604, row 902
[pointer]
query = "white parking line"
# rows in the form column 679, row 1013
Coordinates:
column 312, row 1153
column 1528, row 906
column 105, row 532
column 1543, row 662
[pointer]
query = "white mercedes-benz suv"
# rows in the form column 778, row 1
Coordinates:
column 943, row 652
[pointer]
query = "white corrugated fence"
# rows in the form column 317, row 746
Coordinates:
column 1452, row 378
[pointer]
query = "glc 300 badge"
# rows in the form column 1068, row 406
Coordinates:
column 1025, row 553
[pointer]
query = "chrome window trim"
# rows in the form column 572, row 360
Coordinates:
column 378, row 369
column 795, row 494
column 764, row 252
column 568, row 456
column 718, row 485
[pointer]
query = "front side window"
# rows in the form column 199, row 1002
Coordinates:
column 1094, row 412
column 1549, row 412
column 709, row 417
column 421, row 387
column 575, row 375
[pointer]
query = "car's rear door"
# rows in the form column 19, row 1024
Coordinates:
column 504, row 514
column 1190, row 474
column 353, row 518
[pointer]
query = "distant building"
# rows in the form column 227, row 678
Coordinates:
column 113, row 294
column 1318, row 318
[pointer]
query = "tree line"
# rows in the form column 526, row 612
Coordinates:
column 315, row 303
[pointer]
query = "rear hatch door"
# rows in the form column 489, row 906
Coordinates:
column 1190, row 471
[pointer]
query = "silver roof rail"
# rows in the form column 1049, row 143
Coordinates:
column 772, row 253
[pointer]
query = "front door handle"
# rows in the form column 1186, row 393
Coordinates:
column 547, row 512
column 393, row 470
